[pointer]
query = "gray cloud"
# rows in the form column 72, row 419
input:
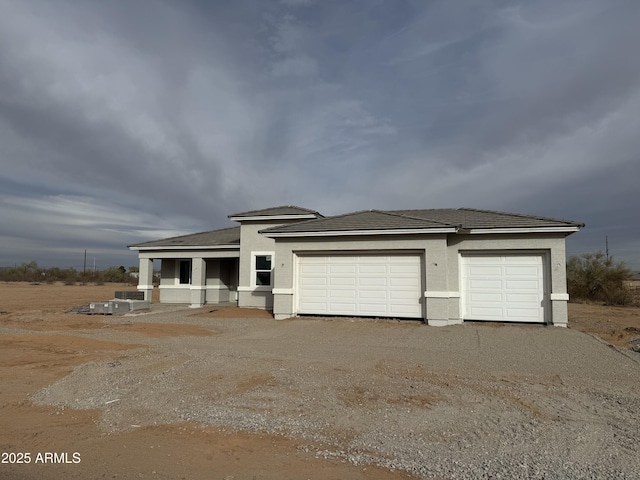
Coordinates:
column 126, row 122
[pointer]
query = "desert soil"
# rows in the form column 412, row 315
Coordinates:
column 232, row 394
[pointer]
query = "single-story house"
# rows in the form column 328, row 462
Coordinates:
column 444, row 266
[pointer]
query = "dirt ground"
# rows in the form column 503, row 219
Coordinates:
column 615, row 325
column 38, row 347
column 177, row 451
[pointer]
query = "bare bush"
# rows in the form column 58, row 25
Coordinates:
column 30, row 272
column 598, row 278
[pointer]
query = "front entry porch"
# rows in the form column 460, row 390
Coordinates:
column 195, row 280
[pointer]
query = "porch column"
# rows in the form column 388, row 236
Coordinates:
column 145, row 278
column 198, row 282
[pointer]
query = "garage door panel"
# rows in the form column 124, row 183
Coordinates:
column 379, row 285
column 405, row 282
column 486, row 313
column 336, row 308
column 373, row 281
column 522, row 298
column 485, row 271
column 522, row 285
column 402, row 310
column 382, row 295
column 402, row 295
column 519, row 270
column 523, row 259
column 372, row 269
column 496, row 297
column 349, row 269
column 315, row 293
column 373, row 310
column 341, row 281
column 313, row 268
column 314, row 306
column 481, row 284
column 503, row 287
column 342, row 293
column 401, row 269
column 522, row 312
column 314, row 281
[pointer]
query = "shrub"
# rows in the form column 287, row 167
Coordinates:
column 597, row 278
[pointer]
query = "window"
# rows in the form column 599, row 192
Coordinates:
column 185, row 272
column 263, row 265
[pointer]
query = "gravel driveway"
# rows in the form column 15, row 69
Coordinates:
column 466, row 401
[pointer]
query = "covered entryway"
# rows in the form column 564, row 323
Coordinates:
column 504, row 287
column 384, row 285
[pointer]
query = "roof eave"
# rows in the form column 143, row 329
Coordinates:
column 183, row 247
column 563, row 229
column 337, row 233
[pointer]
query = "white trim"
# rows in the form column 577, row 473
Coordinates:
column 255, row 254
column 183, row 286
column 559, row 296
column 198, row 287
column 333, row 233
column 300, row 216
column 145, row 287
column 186, row 247
column 544, row 254
column 434, row 294
column 261, row 288
column 216, row 287
column 474, row 231
column 282, row 291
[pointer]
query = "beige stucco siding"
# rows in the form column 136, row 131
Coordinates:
column 552, row 246
column 441, row 269
column 213, row 275
column 287, row 251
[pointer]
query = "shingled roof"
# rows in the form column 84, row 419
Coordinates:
column 449, row 220
column 214, row 238
column 284, row 210
column 471, row 218
column 441, row 220
column 363, row 220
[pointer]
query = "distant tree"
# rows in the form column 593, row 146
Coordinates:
column 598, row 278
column 134, row 269
column 25, row 272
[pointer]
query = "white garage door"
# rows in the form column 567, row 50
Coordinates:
column 507, row 288
column 360, row 285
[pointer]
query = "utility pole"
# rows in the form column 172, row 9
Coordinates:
column 606, row 241
column 84, row 267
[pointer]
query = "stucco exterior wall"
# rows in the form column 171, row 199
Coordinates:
column 441, row 267
column 250, row 295
column 552, row 245
column 227, row 274
column 287, row 251
column 214, row 275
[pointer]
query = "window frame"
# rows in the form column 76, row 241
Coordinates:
column 255, row 270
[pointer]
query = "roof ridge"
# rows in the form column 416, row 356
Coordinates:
column 521, row 215
column 308, row 210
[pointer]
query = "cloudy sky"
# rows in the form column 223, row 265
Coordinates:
column 126, row 121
